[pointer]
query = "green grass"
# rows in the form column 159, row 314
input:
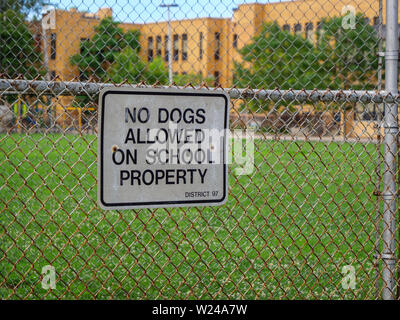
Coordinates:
column 286, row 231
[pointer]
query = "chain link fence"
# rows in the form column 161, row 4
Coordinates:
column 314, row 216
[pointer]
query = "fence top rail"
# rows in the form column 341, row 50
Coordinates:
column 29, row 87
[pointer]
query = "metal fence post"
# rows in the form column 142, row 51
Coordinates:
column 391, row 131
column 379, row 112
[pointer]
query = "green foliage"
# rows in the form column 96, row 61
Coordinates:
column 194, row 79
column 23, row 7
column 113, row 55
column 340, row 59
column 18, row 55
column 156, row 72
column 348, row 55
column 98, row 53
column 277, row 58
column 127, row 66
column 131, row 39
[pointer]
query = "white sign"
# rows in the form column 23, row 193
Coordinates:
column 162, row 148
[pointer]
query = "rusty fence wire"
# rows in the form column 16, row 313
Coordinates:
column 314, row 215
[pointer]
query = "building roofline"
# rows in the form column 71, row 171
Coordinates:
column 271, row 3
column 177, row 20
column 90, row 15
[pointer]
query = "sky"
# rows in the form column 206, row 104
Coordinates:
column 149, row 11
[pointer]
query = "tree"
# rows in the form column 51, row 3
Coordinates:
column 98, row 53
column 193, row 79
column 131, row 40
column 129, row 67
column 18, row 54
column 339, row 59
column 349, row 54
column 23, row 7
column 114, row 55
column 156, row 71
column 277, row 59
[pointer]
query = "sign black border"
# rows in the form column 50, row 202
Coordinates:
column 122, row 204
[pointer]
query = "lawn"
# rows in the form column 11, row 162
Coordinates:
column 286, row 231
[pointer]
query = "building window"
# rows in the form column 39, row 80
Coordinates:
column 158, row 46
column 176, row 47
column 201, row 45
column 235, row 41
column 286, row 27
column 150, row 52
column 297, row 28
column 366, row 20
column 320, row 30
column 184, row 47
column 53, row 46
column 52, row 75
column 216, row 78
column 166, row 48
column 376, row 21
column 309, row 31
column 217, row 38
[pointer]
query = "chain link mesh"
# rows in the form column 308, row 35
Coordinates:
column 305, row 223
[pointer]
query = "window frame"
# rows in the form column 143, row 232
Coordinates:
column 184, row 53
column 217, row 39
column 235, row 40
column 201, row 49
column 53, row 46
column 150, row 49
column 175, row 47
column 158, row 46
